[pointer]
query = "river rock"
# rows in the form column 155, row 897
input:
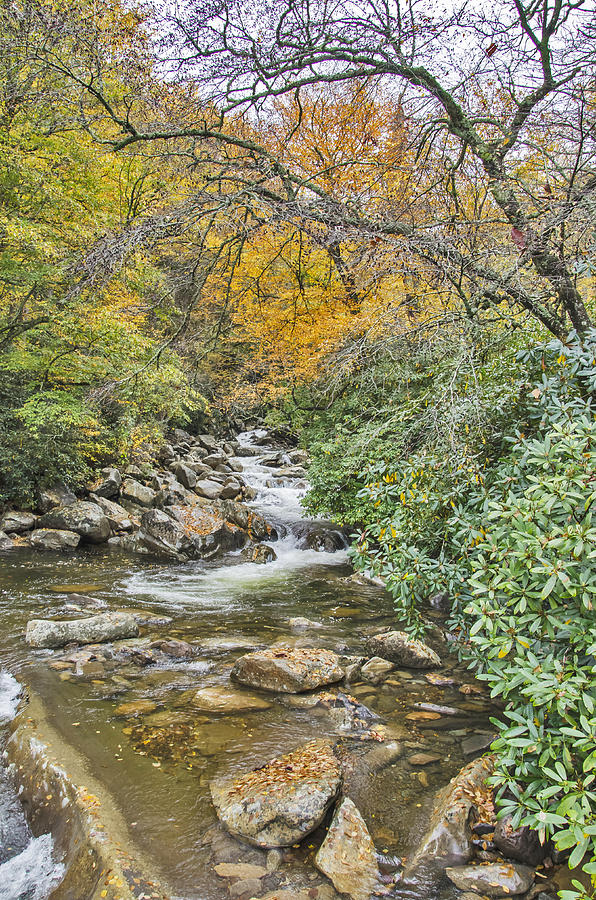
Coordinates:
column 302, row 622
column 15, row 522
column 231, row 489
column 56, row 495
column 399, row 648
column 278, row 804
column 376, row 669
column 347, row 856
column 226, row 700
column 259, row 529
column 240, row 870
column 449, row 837
column 237, row 513
column 493, row 880
column 135, row 708
column 135, row 492
column 185, row 476
column 54, row 539
column 163, row 535
column 289, row 671
column 84, row 518
column 116, row 515
column 261, row 553
column 211, row 490
column 323, row 539
column 6, row 542
column 175, row 648
column 108, row 485
column 104, row 627
column 521, row 844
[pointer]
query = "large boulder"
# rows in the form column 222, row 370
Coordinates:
column 116, row 515
column 164, row 536
column 493, row 880
column 185, row 476
column 54, row 539
column 84, row 518
column 286, row 670
column 104, row 627
column 324, row 539
column 280, row 803
column 135, row 492
column 347, row 856
column 449, row 836
column 56, row 495
column 15, row 522
column 108, row 485
column 211, row 490
column 399, row 648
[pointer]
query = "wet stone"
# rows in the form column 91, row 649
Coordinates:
column 449, row 838
column 227, row 700
column 376, row 670
column 493, row 880
column 135, row 708
column 239, row 870
column 423, row 759
column 477, row 743
column 347, row 856
column 288, row 671
column 104, row 627
column 280, row 803
column 399, row 648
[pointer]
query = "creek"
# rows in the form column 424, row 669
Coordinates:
column 157, row 766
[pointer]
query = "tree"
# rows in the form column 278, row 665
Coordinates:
column 499, row 110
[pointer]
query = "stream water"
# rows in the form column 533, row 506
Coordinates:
column 157, row 766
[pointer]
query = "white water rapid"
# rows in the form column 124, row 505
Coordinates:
column 28, row 870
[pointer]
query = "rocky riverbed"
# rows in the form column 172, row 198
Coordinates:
column 193, row 734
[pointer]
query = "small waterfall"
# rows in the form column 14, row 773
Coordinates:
column 302, row 540
column 28, row 870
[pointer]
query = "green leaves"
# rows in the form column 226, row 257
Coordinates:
column 515, row 551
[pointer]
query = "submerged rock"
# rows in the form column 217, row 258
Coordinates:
column 225, row 700
column 376, row 669
column 449, row 837
column 302, row 622
column 83, row 517
column 493, row 880
column 135, row 708
column 286, row 670
column 399, row 648
column 278, row 804
column 104, row 627
column 54, row 539
column 347, row 856
column 174, row 647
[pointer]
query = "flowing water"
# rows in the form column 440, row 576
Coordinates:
column 157, row 766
